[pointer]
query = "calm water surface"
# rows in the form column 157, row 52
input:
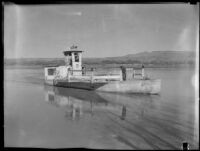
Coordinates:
column 43, row 116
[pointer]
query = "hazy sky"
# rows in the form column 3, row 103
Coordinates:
column 100, row 30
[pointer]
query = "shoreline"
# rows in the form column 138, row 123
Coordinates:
column 184, row 66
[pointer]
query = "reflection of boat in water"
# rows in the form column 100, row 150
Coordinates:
column 77, row 94
column 74, row 75
column 79, row 101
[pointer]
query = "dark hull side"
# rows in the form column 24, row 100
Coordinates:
column 76, row 93
column 80, row 85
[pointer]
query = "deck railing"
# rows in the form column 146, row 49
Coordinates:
column 130, row 73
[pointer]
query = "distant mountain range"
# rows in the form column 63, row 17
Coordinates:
column 151, row 59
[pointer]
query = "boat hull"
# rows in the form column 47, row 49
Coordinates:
column 131, row 86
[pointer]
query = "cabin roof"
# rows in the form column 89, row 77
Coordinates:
column 73, row 48
column 68, row 51
column 49, row 66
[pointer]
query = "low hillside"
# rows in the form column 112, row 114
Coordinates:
column 149, row 59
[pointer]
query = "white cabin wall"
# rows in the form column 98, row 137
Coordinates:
column 49, row 77
column 73, row 58
column 75, row 64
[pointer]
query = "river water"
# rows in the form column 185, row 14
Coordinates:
column 36, row 115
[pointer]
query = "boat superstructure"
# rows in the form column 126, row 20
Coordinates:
column 74, row 75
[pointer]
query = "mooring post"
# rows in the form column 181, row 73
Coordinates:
column 123, row 69
column 143, row 72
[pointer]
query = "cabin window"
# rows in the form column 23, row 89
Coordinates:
column 76, row 57
column 51, row 71
column 67, row 53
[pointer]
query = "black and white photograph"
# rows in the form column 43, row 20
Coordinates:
column 101, row 76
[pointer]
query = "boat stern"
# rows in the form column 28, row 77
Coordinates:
column 49, row 73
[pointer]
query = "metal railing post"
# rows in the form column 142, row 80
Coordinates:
column 143, row 73
column 92, row 74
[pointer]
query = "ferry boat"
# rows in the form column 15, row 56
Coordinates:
column 74, row 75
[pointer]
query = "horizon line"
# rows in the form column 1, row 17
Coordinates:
column 102, row 57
